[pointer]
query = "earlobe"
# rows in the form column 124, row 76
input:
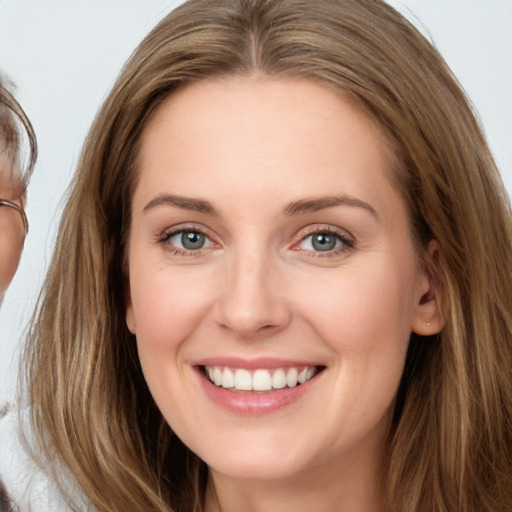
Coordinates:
column 428, row 316
column 130, row 317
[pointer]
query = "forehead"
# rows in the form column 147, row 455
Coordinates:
column 246, row 122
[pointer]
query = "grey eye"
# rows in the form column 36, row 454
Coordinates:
column 320, row 242
column 192, row 240
column 188, row 240
column 323, row 242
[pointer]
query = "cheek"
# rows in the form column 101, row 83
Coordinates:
column 359, row 308
column 364, row 316
column 11, row 245
column 167, row 307
column 170, row 308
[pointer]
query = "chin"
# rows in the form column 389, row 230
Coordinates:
column 258, row 461
column 270, row 469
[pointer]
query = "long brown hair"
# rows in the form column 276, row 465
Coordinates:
column 450, row 444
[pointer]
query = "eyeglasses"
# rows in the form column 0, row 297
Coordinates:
column 10, row 204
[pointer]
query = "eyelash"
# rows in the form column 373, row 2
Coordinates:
column 347, row 242
column 176, row 251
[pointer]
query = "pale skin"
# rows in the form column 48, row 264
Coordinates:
column 305, row 254
column 12, row 230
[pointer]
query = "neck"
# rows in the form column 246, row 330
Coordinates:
column 327, row 487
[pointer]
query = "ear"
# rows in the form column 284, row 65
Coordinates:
column 428, row 316
column 130, row 317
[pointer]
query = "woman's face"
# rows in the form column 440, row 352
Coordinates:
column 12, row 230
column 270, row 253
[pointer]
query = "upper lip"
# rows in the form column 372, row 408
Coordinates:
column 259, row 362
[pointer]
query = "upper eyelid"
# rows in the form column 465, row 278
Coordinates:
column 178, row 228
column 323, row 228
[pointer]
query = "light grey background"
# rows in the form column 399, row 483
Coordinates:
column 64, row 55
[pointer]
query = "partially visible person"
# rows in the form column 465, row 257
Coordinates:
column 14, row 176
column 15, row 171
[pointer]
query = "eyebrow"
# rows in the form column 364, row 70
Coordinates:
column 314, row 204
column 185, row 203
column 299, row 207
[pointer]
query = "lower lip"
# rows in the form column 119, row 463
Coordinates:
column 255, row 403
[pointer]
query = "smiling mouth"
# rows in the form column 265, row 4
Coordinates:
column 259, row 380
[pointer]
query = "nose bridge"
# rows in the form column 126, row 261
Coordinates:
column 251, row 301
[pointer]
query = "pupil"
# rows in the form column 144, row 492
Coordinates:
column 192, row 240
column 323, row 242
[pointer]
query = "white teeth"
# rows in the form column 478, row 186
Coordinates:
column 217, row 376
column 292, row 377
column 243, row 380
column 259, row 380
column 228, row 378
column 279, row 379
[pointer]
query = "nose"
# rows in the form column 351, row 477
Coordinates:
column 252, row 302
